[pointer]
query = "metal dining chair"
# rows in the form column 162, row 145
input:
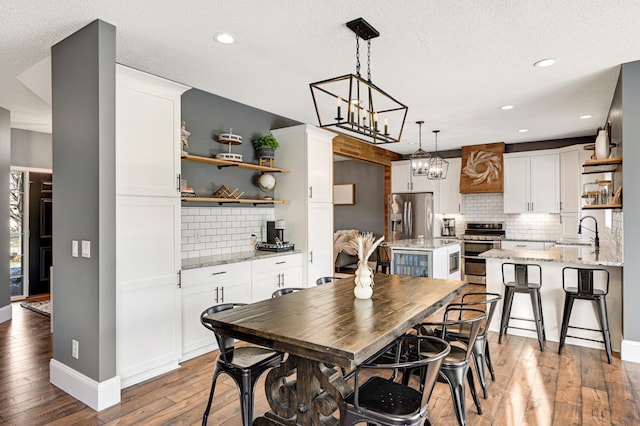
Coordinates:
column 243, row 364
column 286, row 290
column 325, row 280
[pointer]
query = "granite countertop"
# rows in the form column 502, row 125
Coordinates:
column 427, row 245
column 203, row 262
column 542, row 240
column 575, row 255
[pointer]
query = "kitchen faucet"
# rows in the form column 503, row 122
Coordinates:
column 596, row 239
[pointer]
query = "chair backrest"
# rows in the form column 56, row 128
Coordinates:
column 225, row 344
column 284, row 291
column 470, row 321
column 521, row 274
column 490, row 299
column 324, row 280
column 586, row 279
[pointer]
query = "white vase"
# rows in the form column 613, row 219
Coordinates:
column 602, row 145
column 364, row 281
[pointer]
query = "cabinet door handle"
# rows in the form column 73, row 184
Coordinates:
column 311, row 192
column 560, row 205
column 311, row 257
column 521, row 245
column 532, row 206
column 178, row 179
column 408, row 187
column 219, row 273
column 180, row 279
column 217, row 295
column 280, row 263
column 283, row 280
column 221, row 294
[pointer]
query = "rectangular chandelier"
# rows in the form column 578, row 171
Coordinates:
column 355, row 106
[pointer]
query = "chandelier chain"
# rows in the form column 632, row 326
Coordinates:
column 357, row 54
column 369, row 60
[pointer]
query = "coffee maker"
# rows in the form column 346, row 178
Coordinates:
column 448, row 227
column 275, row 237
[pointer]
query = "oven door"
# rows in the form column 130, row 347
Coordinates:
column 475, row 247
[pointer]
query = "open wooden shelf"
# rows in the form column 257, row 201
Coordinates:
column 601, row 166
column 601, row 206
column 227, row 163
column 232, row 200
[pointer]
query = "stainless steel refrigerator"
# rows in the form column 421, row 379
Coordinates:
column 411, row 215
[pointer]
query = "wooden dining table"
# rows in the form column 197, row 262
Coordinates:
column 326, row 327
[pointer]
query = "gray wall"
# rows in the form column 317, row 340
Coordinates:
column 5, row 171
column 206, row 116
column 31, row 149
column 367, row 214
column 83, row 89
column 630, row 80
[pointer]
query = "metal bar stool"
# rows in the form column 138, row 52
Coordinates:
column 521, row 284
column 585, row 291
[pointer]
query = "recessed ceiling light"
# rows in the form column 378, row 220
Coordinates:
column 523, row 130
column 586, row 116
column 544, row 63
column 223, row 38
column 506, row 107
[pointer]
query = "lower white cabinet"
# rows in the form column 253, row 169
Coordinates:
column 205, row 287
column 523, row 245
column 273, row 273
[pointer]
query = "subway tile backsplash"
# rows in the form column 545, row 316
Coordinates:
column 210, row 231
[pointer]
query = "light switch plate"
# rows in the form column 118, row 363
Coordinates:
column 86, row 248
column 74, row 248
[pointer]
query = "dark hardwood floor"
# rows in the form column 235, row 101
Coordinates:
column 532, row 387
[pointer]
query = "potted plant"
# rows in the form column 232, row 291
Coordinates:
column 265, row 146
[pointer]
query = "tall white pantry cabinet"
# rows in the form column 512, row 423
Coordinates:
column 148, row 331
column 307, row 152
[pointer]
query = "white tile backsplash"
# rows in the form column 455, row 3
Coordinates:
column 210, row 231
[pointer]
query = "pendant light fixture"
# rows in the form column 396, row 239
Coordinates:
column 354, row 106
column 419, row 160
column 438, row 167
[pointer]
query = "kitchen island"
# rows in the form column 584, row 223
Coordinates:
column 552, row 261
column 435, row 258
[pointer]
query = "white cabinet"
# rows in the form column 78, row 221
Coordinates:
column 308, row 153
column 147, row 215
column 274, row 273
column 403, row 181
column 532, row 183
column 522, row 245
column 570, row 192
column 203, row 288
column 449, row 196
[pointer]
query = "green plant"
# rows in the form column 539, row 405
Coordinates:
column 266, row 141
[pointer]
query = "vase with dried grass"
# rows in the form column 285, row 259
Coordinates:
column 364, row 244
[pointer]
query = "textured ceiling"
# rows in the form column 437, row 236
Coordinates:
column 452, row 62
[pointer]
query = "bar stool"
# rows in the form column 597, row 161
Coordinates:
column 521, row 284
column 585, row 291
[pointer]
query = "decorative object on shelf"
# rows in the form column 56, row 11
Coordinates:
column 364, row 245
column 229, row 139
column 184, row 135
column 419, row 160
column 438, row 166
column 482, row 168
column 185, row 189
column 617, row 197
column 265, row 147
column 225, row 192
column 603, row 141
column 366, row 104
column 267, row 183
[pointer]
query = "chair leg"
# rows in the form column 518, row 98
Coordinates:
column 506, row 312
column 487, row 358
column 478, row 352
column 472, row 388
column 604, row 325
column 544, row 333
column 455, row 379
column 213, row 386
column 535, row 304
column 566, row 316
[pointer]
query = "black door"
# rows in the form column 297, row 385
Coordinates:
column 40, row 224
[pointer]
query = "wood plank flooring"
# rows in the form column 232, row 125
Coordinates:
column 531, row 387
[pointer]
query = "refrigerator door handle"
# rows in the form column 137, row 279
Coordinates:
column 409, row 219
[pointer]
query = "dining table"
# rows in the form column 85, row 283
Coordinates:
column 324, row 331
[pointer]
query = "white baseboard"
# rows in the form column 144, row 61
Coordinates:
column 97, row 395
column 630, row 351
column 147, row 374
column 5, row 313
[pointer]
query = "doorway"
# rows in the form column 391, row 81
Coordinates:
column 31, row 232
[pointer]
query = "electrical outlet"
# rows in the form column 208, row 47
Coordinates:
column 86, row 248
column 74, row 349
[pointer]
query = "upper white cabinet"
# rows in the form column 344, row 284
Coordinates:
column 147, row 225
column 570, row 192
column 449, row 195
column 532, row 183
column 403, row 181
column 307, row 152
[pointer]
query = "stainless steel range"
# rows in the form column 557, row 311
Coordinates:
column 478, row 238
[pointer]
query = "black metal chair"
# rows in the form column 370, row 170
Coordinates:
column 283, row 291
column 521, row 284
column 325, row 280
column 385, row 401
column 243, row 364
column 456, row 365
column 585, row 290
column 383, row 258
column 481, row 347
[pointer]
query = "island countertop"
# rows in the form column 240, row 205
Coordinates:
column 576, row 255
column 222, row 259
column 426, row 245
